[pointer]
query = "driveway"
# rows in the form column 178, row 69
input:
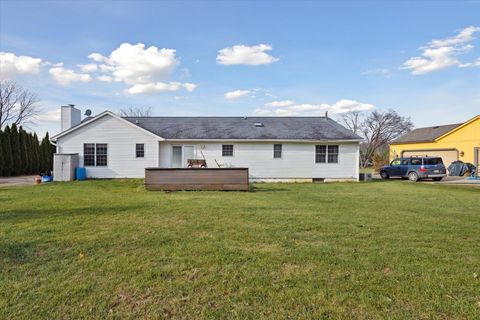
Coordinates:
column 17, row 181
column 448, row 180
column 458, row 181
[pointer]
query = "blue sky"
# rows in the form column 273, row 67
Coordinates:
column 246, row 58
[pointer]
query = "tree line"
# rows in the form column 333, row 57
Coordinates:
column 22, row 153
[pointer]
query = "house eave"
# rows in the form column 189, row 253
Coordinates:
column 412, row 142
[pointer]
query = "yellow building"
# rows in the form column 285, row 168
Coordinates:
column 460, row 141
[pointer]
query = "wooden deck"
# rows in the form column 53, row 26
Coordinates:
column 173, row 179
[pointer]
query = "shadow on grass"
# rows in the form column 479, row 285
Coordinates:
column 266, row 188
column 16, row 252
column 20, row 215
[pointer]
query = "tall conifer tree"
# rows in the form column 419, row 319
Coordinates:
column 2, row 162
column 7, row 152
column 15, row 143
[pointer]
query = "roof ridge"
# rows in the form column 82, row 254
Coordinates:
column 440, row 125
column 248, row 117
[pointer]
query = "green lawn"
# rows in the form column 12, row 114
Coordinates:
column 109, row 249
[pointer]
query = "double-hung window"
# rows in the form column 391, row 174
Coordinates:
column 89, row 154
column 332, row 154
column 140, row 150
column 277, row 151
column 95, row 154
column 326, row 154
column 227, row 150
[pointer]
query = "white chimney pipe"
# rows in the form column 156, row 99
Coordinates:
column 70, row 117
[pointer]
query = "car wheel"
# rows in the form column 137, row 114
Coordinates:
column 437, row 179
column 413, row 176
column 384, row 175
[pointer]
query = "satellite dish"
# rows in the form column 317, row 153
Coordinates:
column 88, row 112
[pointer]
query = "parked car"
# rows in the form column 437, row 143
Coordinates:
column 415, row 168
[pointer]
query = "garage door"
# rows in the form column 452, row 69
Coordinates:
column 448, row 156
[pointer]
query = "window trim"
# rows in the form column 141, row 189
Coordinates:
column 107, row 154
column 136, row 151
column 281, row 150
column 233, row 150
column 327, row 153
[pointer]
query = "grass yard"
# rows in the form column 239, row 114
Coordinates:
column 109, row 249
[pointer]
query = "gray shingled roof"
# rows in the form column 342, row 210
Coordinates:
column 427, row 134
column 275, row 128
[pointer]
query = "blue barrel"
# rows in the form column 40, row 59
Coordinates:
column 80, row 174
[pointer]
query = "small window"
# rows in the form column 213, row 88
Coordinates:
column 320, row 154
column 227, row 150
column 277, row 151
column 89, row 154
column 140, row 150
column 332, row 154
column 101, row 155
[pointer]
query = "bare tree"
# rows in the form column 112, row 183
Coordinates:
column 136, row 112
column 352, row 120
column 17, row 105
column 380, row 128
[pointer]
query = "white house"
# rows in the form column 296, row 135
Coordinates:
column 273, row 148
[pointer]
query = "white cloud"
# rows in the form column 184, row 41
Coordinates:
column 466, row 35
column 65, row 76
column 232, row 95
column 12, row 65
column 88, row 68
column 159, row 87
column 282, row 103
column 441, row 54
column 105, row 78
column 289, row 108
column 97, row 57
column 249, row 55
column 189, row 86
column 49, row 116
column 144, row 70
column 475, row 63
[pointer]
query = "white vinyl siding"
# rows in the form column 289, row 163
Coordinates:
column 297, row 159
column 121, row 139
